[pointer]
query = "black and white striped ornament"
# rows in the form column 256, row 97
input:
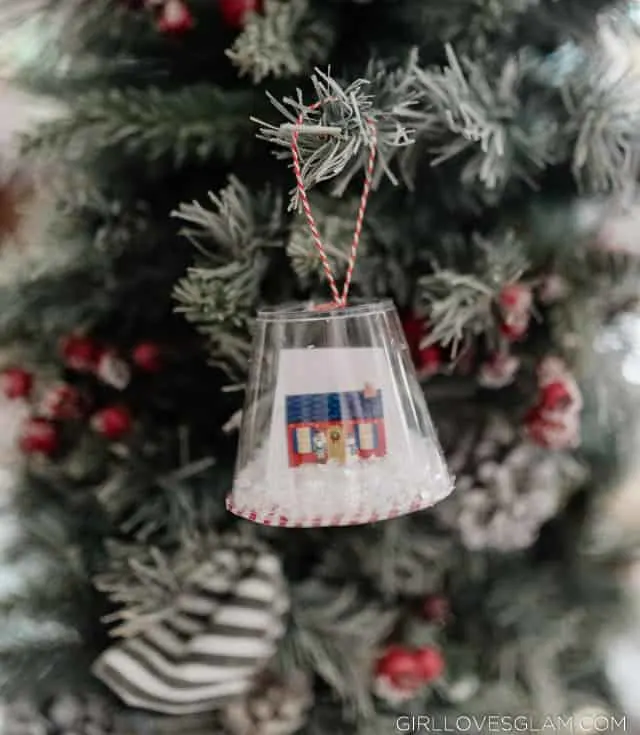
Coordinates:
column 207, row 648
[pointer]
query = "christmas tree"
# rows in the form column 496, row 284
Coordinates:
column 502, row 147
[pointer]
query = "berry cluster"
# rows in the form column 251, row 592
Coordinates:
column 429, row 358
column 174, row 16
column 512, row 308
column 53, row 406
column 401, row 672
column 515, row 302
column 554, row 421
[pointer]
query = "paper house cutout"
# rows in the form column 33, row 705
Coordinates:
column 338, row 427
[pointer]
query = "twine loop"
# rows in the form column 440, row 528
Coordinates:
column 339, row 299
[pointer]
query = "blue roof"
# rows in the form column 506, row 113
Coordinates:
column 322, row 407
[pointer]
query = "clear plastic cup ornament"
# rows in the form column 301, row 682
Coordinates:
column 335, row 428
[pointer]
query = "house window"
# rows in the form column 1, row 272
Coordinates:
column 366, row 437
column 303, row 441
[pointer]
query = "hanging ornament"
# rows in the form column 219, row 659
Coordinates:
column 113, row 422
column 212, row 636
column 80, row 353
column 148, row 357
column 175, row 17
column 499, row 370
column 62, row 403
column 235, row 12
column 343, row 436
column 16, row 383
column 39, row 436
column 113, row 370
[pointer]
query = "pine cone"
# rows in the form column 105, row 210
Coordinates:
column 63, row 715
column 275, row 707
column 507, row 488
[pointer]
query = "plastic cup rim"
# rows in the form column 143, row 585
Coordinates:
column 304, row 311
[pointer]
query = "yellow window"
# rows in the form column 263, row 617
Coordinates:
column 303, row 440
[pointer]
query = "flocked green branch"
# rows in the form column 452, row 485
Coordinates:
column 282, row 40
column 192, row 123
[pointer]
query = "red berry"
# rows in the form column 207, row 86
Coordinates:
column 16, row 383
column 414, row 331
column 80, row 353
column 436, row 608
column 555, row 435
column 175, row 17
column 430, row 360
column 112, row 422
column 556, row 395
column 401, row 666
column 148, row 357
column 499, row 370
column 515, row 329
column 62, row 402
column 430, row 662
column 516, row 297
column 537, row 431
column 39, row 436
column 235, row 12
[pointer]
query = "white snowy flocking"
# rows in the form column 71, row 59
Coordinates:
column 335, row 427
column 507, row 488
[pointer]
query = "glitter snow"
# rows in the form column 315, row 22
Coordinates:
column 333, row 494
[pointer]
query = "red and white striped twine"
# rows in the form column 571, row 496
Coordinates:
column 274, row 518
column 338, row 299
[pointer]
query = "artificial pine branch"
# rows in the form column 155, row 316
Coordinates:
column 503, row 133
column 402, row 559
column 604, row 120
column 335, row 633
column 460, row 303
column 495, row 114
column 474, row 27
column 335, row 221
column 335, row 139
column 192, row 123
column 219, row 295
column 284, row 40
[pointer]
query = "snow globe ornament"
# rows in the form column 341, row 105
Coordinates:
column 335, row 430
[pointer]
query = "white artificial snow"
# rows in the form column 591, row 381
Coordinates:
column 357, row 492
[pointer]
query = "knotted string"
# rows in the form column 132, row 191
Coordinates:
column 338, row 299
